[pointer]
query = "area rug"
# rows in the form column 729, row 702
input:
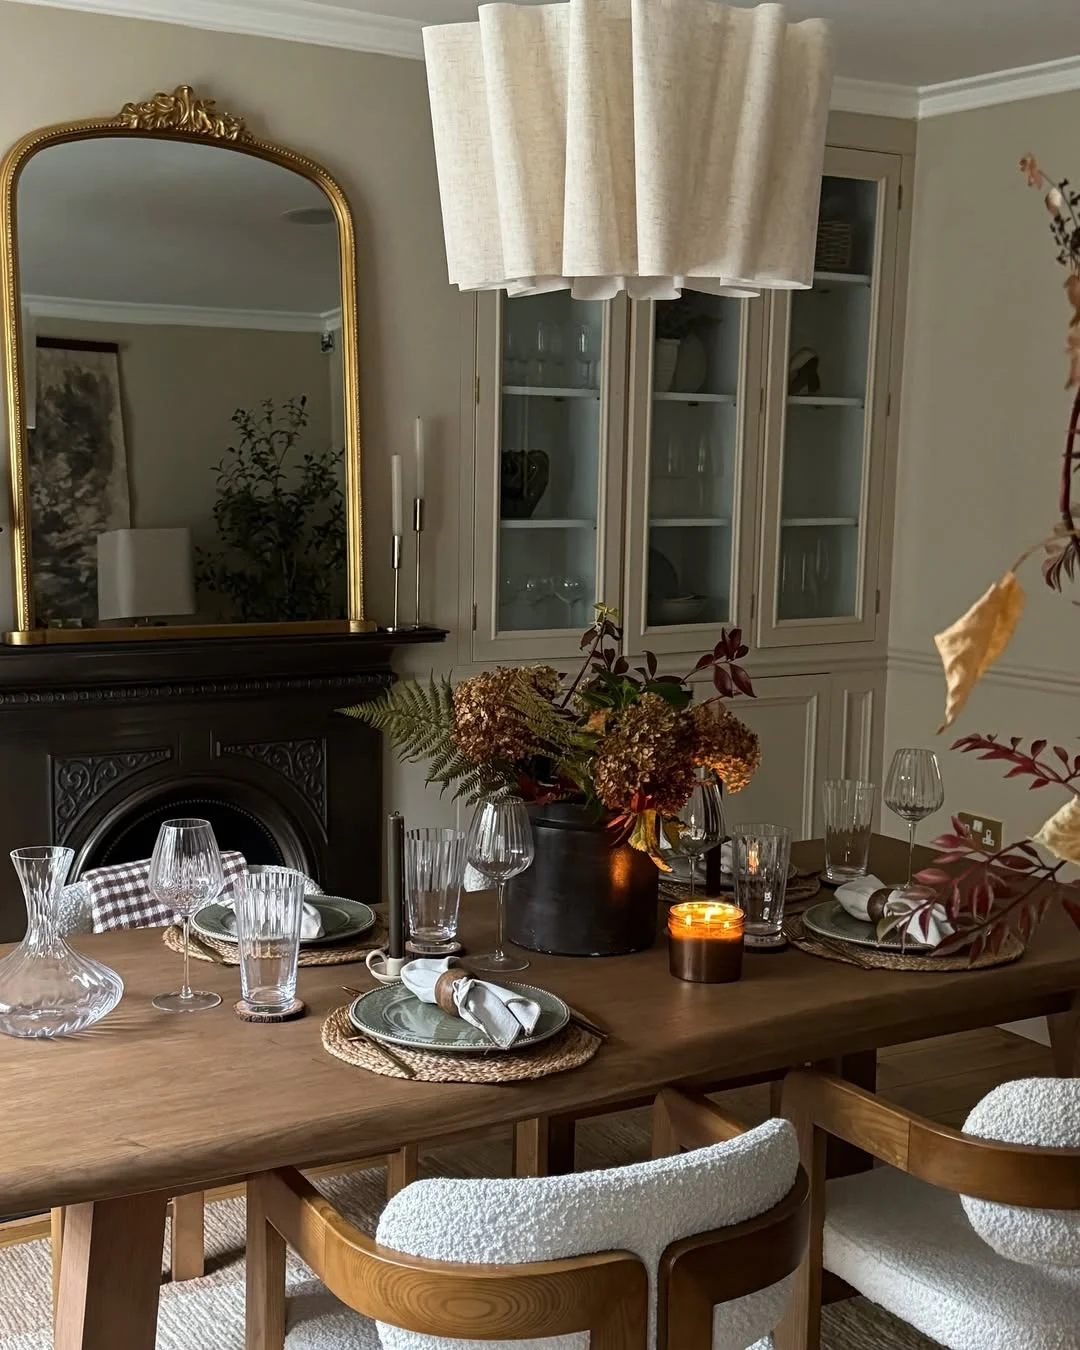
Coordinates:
column 208, row 1314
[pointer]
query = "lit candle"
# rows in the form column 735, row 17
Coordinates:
column 705, row 941
column 396, row 514
column 419, row 457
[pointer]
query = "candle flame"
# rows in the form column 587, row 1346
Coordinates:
column 705, row 918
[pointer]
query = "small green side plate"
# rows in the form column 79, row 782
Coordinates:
column 831, row 920
column 394, row 1015
column 342, row 920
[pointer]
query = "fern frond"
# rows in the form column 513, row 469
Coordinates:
column 419, row 720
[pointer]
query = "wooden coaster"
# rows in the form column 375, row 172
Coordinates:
column 297, row 1008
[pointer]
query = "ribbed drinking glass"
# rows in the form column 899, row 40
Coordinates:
column 434, row 871
column 269, row 911
column 913, row 791
column 849, row 817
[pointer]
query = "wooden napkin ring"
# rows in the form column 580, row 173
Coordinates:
column 444, row 990
column 875, row 906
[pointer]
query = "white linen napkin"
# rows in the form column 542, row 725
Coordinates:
column 499, row 1013
column 855, row 897
column 311, row 925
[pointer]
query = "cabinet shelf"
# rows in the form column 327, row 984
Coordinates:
column 546, row 391
column 532, row 523
column 807, row 522
column 682, row 522
column 693, row 398
column 821, row 401
column 848, row 278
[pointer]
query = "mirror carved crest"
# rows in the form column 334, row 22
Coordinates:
column 181, row 373
column 183, row 110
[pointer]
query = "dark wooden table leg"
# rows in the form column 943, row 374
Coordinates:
column 544, row 1146
column 1064, row 1028
column 843, row 1159
column 110, row 1276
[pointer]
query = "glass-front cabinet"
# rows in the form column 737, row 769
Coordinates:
column 694, row 462
column 690, row 425
column 827, row 406
column 549, row 484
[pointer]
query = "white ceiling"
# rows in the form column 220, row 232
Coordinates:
column 168, row 224
column 913, row 42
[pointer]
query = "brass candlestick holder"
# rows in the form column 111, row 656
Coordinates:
column 418, row 530
column 395, row 563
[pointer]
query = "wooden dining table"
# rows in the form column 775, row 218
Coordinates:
column 147, row 1105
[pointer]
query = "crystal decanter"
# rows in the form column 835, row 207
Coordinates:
column 46, row 988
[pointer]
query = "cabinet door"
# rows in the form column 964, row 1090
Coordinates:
column 551, row 389
column 827, row 404
column 693, row 361
column 791, row 716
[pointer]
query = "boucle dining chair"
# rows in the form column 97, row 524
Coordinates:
column 971, row 1237
column 715, row 1233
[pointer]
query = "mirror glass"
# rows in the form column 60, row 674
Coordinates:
column 182, row 331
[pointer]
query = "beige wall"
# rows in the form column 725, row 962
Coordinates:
column 981, row 432
column 366, row 118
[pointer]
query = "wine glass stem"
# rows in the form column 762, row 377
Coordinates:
column 186, row 991
column 693, row 876
column 911, row 849
column 500, row 920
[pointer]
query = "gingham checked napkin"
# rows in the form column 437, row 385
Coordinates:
column 120, row 896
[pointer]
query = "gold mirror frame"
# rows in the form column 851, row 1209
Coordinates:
column 179, row 116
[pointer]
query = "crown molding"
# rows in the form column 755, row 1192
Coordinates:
column 1000, row 86
column 178, row 316
column 874, row 98
column 311, row 21
column 330, row 25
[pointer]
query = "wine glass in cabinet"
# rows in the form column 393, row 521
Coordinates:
column 827, row 407
column 550, row 395
column 692, row 432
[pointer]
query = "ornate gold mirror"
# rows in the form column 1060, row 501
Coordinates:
column 180, row 362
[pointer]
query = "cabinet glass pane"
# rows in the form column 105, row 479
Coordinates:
column 826, row 417
column 693, row 454
column 549, row 462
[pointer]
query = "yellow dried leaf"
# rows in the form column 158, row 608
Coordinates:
column 1061, row 833
column 975, row 641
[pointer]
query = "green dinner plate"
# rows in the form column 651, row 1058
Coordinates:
column 831, row 920
column 394, row 1015
column 342, row 920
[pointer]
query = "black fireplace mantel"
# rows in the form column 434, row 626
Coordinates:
column 95, row 739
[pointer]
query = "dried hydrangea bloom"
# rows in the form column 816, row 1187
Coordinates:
column 725, row 744
column 487, row 723
column 649, row 753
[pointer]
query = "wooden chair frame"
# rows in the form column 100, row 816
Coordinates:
column 821, row 1105
column 605, row 1294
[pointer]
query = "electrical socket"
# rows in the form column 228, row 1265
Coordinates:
column 985, row 830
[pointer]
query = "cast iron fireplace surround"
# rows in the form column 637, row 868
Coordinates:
column 99, row 744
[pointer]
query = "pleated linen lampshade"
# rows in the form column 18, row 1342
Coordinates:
column 145, row 574
column 643, row 145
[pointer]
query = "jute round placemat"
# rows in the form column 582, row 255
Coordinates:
column 203, row 948
column 869, row 958
column 799, row 890
column 568, row 1050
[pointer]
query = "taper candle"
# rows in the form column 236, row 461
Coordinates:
column 419, row 457
column 397, row 516
column 395, row 884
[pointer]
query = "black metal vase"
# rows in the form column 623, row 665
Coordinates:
column 581, row 897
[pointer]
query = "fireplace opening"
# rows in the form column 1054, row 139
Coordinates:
column 261, row 836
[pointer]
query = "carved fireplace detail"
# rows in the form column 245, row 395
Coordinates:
column 99, row 744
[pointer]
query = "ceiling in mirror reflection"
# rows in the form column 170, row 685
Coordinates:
column 198, row 229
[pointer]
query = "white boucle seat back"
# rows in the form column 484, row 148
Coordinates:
column 1044, row 1112
column 640, row 1208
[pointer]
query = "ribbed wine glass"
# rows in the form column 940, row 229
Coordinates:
column 702, row 819
column 500, row 846
column 185, row 874
column 913, row 791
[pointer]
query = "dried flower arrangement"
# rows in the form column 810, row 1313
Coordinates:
column 991, row 893
column 627, row 742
